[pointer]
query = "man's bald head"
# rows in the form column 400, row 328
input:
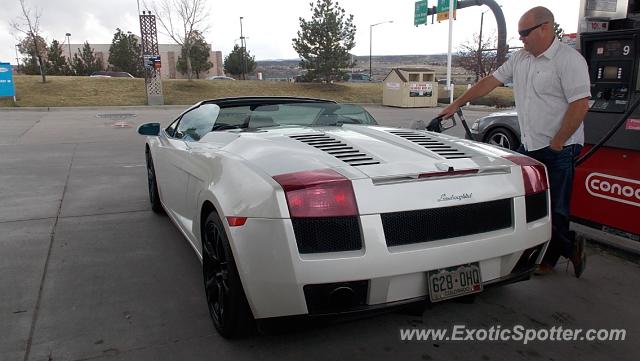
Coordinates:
column 536, row 29
column 540, row 15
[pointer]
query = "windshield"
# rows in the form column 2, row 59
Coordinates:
column 305, row 114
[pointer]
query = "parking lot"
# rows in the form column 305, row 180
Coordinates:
column 89, row 272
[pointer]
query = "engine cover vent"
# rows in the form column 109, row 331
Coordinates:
column 424, row 140
column 337, row 148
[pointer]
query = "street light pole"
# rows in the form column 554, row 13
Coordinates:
column 242, row 67
column 68, row 35
column 478, row 68
column 371, row 42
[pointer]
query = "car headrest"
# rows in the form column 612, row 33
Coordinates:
column 327, row 119
column 257, row 121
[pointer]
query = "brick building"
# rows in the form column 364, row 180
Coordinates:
column 169, row 54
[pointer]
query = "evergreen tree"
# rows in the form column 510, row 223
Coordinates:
column 56, row 62
column 199, row 56
column 86, row 63
column 558, row 30
column 324, row 42
column 124, row 53
column 233, row 61
column 27, row 47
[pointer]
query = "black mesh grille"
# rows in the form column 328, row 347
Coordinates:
column 536, row 206
column 327, row 234
column 434, row 145
column 439, row 223
column 337, row 148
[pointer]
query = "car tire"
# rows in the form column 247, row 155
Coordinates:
column 154, row 195
column 226, row 300
column 502, row 137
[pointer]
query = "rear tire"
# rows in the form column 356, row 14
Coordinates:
column 154, row 195
column 502, row 137
column 228, row 306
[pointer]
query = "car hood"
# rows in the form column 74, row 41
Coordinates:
column 507, row 113
column 357, row 151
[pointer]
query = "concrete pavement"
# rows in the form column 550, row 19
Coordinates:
column 88, row 272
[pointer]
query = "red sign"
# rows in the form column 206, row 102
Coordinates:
column 613, row 188
column 606, row 189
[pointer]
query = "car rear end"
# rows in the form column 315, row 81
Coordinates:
column 373, row 235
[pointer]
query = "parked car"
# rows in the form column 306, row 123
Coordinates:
column 358, row 78
column 111, row 74
column 300, row 206
column 220, row 77
column 499, row 128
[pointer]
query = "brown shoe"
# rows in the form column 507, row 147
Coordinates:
column 543, row 269
column 579, row 258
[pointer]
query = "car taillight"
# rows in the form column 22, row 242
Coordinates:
column 534, row 173
column 318, row 193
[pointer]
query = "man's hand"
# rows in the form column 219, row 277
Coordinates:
column 555, row 145
column 449, row 111
column 572, row 119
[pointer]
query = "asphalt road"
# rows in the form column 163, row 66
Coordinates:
column 88, row 272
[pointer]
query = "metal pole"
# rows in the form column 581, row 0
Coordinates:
column 502, row 27
column 241, row 51
column 370, row 42
column 246, row 57
column 69, row 44
column 449, row 53
column 370, row 47
column 17, row 58
column 480, row 48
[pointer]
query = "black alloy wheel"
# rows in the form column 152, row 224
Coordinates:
column 228, row 306
column 154, row 195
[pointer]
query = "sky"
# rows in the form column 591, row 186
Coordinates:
column 269, row 26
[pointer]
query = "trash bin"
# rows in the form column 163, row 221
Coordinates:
column 410, row 88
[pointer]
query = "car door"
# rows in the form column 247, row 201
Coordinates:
column 178, row 166
column 171, row 180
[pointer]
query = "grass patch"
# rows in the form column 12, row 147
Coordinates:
column 61, row 91
column 500, row 97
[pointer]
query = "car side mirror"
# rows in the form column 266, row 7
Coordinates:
column 149, row 129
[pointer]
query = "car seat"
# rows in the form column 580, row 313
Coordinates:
column 258, row 121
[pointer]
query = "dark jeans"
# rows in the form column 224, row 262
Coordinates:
column 560, row 168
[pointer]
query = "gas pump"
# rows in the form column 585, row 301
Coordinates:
column 605, row 204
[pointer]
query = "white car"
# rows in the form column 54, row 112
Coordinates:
column 220, row 77
column 308, row 207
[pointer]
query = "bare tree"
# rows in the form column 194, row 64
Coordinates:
column 29, row 24
column 478, row 57
column 183, row 20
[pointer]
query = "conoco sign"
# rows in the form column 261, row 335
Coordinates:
column 613, row 188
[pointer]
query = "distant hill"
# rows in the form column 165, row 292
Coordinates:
column 381, row 66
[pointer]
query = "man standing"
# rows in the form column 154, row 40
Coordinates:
column 552, row 89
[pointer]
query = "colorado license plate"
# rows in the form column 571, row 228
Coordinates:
column 454, row 282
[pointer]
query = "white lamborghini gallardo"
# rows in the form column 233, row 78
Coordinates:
column 303, row 206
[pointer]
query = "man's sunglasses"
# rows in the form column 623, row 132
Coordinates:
column 524, row 33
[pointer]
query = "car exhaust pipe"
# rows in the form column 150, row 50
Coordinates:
column 342, row 297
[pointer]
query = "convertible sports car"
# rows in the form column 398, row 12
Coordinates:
column 307, row 207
